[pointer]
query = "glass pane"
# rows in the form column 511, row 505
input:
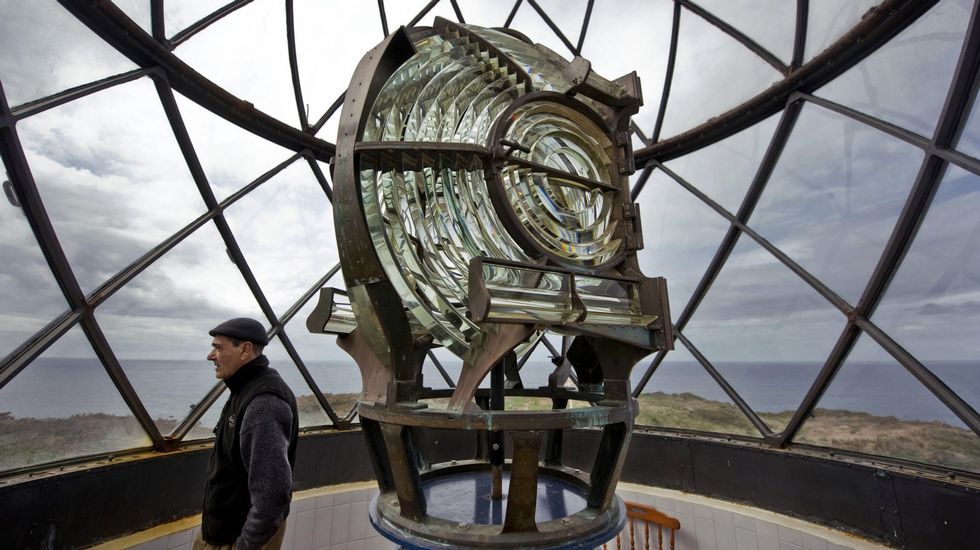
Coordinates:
column 158, row 323
column 254, row 37
column 29, row 295
column 647, row 33
column 566, row 15
column 970, row 140
column 334, row 371
column 285, row 229
column 834, row 196
column 321, row 27
column 876, row 406
column 310, row 411
column 36, row 35
column 716, row 73
column 774, row 31
column 905, row 81
column 138, row 11
column 765, row 330
column 681, row 394
column 829, row 20
column 680, row 236
column 112, row 177
column 931, row 307
column 204, row 429
column 180, row 15
column 230, row 156
column 63, row 405
column 402, row 12
column 724, row 170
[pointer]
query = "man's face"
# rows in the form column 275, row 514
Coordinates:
column 227, row 357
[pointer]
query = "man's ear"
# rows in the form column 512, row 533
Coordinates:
column 247, row 348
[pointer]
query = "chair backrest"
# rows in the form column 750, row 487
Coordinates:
column 647, row 515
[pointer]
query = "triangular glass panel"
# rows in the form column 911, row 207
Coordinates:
column 403, row 11
column 138, row 11
column 310, row 411
column 645, row 40
column 829, row 20
column 29, row 295
column 45, row 35
column 63, row 405
column 285, row 230
column 905, row 81
column 774, row 31
column 932, row 307
column 112, row 178
column 875, row 406
column 724, row 170
column 158, row 323
column 204, row 429
column 567, row 16
column 719, row 73
column 253, row 36
column 325, row 68
column 681, row 394
column 450, row 363
column 539, row 365
column 969, row 142
column 180, row 15
column 833, row 198
column 230, row 156
column 765, row 330
column 680, row 236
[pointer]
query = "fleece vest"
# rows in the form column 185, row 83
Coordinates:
column 226, row 498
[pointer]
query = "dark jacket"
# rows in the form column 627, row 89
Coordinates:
column 226, row 494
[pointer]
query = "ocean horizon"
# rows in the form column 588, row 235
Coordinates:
column 62, row 387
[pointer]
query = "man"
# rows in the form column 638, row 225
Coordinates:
column 249, row 479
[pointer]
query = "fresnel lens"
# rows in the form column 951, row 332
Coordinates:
column 481, row 200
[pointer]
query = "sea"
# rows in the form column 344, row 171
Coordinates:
column 62, row 387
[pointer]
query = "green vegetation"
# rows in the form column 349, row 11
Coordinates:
column 29, row 441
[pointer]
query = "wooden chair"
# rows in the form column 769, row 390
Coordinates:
column 640, row 513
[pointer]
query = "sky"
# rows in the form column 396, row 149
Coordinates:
column 115, row 184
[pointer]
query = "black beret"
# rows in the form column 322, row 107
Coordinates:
column 242, row 328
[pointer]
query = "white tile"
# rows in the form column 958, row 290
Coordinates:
column 702, row 511
column 745, row 522
column 783, row 545
column 790, row 535
column 723, row 516
column 344, row 497
column 339, row 529
column 687, row 539
column 289, row 536
column 303, row 534
column 767, row 543
column 180, row 538
column 358, row 525
column 356, row 544
column 745, row 539
column 302, row 505
column 159, row 543
column 765, row 528
column 378, row 543
column 813, row 542
column 363, row 495
column 704, row 530
column 725, row 536
column 324, row 501
column 322, row 526
column 682, row 507
column 664, row 504
column 341, row 546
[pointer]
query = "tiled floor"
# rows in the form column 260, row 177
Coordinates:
column 336, row 518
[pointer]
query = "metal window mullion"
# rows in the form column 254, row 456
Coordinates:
column 266, row 176
column 118, row 377
column 561, row 36
column 317, row 393
column 442, row 371
column 875, row 30
column 965, row 162
column 822, row 289
column 206, row 22
column 891, row 129
column 30, row 349
column 65, row 96
column 585, row 27
column 926, row 377
column 641, row 181
column 320, row 178
column 675, row 29
column 418, row 17
column 298, row 304
column 384, row 17
column 459, row 14
column 799, row 40
column 513, row 12
column 197, row 412
column 749, row 413
column 158, row 21
column 738, row 35
column 329, row 112
column 294, row 67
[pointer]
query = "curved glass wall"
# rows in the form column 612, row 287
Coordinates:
column 165, row 171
